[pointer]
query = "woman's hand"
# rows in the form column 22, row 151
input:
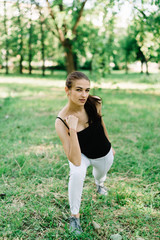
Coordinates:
column 72, row 122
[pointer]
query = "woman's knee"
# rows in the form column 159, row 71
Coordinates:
column 109, row 161
column 77, row 172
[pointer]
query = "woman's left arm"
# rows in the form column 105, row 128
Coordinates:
column 99, row 109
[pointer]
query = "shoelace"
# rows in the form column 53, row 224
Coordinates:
column 76, row 223
column 102, row 189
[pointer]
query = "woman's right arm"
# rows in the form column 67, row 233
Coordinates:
column 70, row 142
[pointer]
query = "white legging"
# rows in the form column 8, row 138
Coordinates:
column 77, row 175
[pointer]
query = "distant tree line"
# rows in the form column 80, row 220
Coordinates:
column 57, row 35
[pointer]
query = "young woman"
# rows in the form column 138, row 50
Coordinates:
column 85, row 140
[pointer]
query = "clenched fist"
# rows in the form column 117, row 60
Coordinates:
column 72, row 122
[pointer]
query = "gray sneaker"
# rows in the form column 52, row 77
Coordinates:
column 102, row 190
column 75, row 225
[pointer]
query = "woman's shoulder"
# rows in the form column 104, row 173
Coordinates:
column 60, row 117
column 60, row 122
column 62, row 113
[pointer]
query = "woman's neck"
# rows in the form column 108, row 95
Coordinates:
column 73, row 108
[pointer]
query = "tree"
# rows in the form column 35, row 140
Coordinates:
column 65, row 25
column 42, row 42
column 20, row 36
column 6, row 37
column 127, row 44
column 140, row 56
column 146, row 31
column 109, row 20
column 30, row 39
column 54, row 33
column 97, row 42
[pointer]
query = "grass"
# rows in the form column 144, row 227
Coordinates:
column 34, row 169
column 115, row 77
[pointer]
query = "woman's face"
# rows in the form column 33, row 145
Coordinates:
column 79, row 92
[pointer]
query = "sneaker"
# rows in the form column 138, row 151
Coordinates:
column 102, row 190
column 75, row 225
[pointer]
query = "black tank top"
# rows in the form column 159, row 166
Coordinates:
column 92, row 140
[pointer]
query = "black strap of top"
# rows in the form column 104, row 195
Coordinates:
column 63, row 122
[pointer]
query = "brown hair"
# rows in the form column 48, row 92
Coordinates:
column 90, row 105
column 75, row 76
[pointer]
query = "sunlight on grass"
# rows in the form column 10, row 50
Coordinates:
column 34, row 169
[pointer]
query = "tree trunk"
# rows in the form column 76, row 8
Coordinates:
column 30, row 41
column 42, row 49
column 75, row 59
column 147, row 72
column 91, row 69
column 42, row 41
column 70, row 66
column 126, row 64
column 21, row 64
column 21, row 40
column 30, row 56
column 141, row 66
column 61, row 32
column 109, row 59
column 116, row 67
column 6, row 37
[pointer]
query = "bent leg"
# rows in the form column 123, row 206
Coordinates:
column 75, row 186
column 101, row 166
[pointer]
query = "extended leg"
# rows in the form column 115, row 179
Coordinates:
column 75, row 186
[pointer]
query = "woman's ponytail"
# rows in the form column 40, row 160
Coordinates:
column 91, row 108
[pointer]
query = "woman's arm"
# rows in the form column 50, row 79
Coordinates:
column 105, row 130
column 70, row 142
column 99, row 110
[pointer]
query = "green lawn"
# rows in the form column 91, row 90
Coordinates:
column 34, row 169
column 115, row 77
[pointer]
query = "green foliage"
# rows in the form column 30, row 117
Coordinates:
column 97, row 44
column 146, row 32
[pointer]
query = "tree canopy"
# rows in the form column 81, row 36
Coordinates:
column 77, row 34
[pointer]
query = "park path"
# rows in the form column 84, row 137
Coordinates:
column 61, row 83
